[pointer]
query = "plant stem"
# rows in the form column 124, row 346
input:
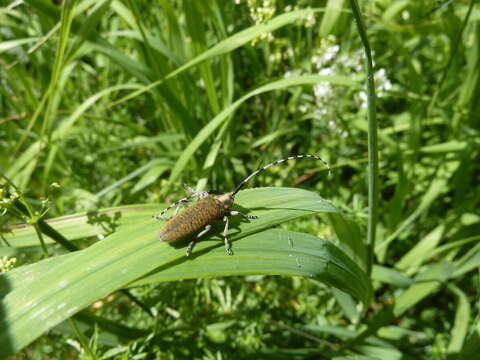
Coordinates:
column 372, row 139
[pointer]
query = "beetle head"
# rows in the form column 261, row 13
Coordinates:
column 226, row 200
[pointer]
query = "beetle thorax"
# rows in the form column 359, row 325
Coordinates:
column 226, row 200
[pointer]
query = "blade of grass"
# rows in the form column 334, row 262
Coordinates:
column 462, row 320
column 437, row 186
column 226, row 113
column 65, row 24
column 137, row 172
column 333, row 11
column 425, row 284
column 196, row 29
column 472, row 345
column 421, row 252
column 468, row 262
column 21, row 170
column 350, row 238
column 12, row 44
column 453, row 53
column 227, row 45
column 391, row 276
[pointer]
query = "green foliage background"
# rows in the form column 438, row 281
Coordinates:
column 116, row 102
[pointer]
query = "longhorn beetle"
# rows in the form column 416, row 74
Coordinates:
column 199, row 216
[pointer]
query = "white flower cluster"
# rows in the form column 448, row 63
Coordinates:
column 328, row 61
column 323, row 61
column 7, row 200
column 7, row 264
column 382, row 84
column 309, row 20
column 261, row 11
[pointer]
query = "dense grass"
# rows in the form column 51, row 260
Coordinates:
column 110, row 103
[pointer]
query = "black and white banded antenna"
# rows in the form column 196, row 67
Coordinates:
column 277, row 162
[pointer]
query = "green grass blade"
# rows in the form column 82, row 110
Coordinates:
column 196, row 30
column 472, row 345
column 151, row 176
column 58, row 66
column 390, row 276
column 394, row 10
column 467, row 262
column 351, row 241
column 446, row 147
column 226, row 113
column 421, row 252
column 425, row 284
column 140, row 71
column 137, row 172
column 12, row 44
column 332, row 14
column 20, row 172
column 436, row 188
column 462, row 320
column 90, row 23
column 227, row 45
column 155, row 42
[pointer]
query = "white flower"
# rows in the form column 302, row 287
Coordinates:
column 7, row 264
column 321, row 90
column 326, row 53
column 382, row 82
column 362, row 97
column 310, row 19
column 303, row 108
column 326, row 71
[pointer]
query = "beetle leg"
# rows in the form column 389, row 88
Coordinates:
column 181, row 202
column 225, row 237
column 185, row 201
column 192, row 243
column 199, row 193
column 234, row 213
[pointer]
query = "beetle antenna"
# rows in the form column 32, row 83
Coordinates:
column 276, row 162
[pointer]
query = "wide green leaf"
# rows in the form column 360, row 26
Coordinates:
column 39, row 296
column 271, row 252
column 81, row 225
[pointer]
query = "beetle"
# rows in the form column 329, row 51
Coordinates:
column 199, row 216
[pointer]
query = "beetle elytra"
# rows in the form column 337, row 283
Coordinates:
column 197, row 218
